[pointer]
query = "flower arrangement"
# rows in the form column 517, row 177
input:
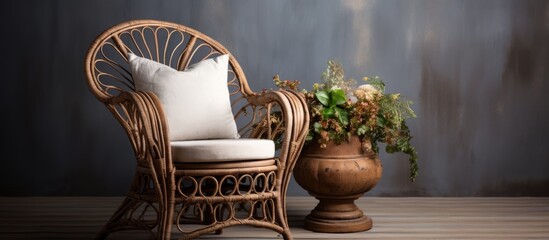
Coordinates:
column 338, row 110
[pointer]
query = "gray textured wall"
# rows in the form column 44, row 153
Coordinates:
column 477, row 71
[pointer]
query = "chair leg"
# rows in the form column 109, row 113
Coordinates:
column 166, row 222
column 117, row 217
column 287, row 235
column 219, row 216
column 282, row 217
column 167, row 212
column 122, row 219
column 210, row 218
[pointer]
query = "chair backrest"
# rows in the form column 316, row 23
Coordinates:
column 172, row 44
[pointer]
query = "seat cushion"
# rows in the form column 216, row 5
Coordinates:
column 222, row 150
column 196, row 101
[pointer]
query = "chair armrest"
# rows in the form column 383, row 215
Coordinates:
column 144, row 121
column 295, row 115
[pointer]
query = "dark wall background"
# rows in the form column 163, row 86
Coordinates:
column 476, row 70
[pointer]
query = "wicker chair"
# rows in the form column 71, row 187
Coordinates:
column 194, row 198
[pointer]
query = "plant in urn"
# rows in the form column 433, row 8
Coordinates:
column 339, row 161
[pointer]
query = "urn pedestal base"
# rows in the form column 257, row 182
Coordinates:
column 337, row 175
column 337, row 215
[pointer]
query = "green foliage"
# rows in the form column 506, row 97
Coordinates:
column 323, row 97
column 361, row 130
column 332, row 101
column 373, row 115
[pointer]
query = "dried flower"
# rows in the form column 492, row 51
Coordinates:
column 366, row 92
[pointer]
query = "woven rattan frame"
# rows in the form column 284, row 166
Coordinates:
column 195, row 199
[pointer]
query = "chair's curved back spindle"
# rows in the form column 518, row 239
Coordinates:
column 170, row 44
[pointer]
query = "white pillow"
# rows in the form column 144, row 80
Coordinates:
column 196, row 101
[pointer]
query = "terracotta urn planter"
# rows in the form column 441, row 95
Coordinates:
column 337, row 175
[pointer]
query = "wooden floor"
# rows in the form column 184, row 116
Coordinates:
column 394, row 218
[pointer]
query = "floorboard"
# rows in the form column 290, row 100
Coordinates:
column 394, row 218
